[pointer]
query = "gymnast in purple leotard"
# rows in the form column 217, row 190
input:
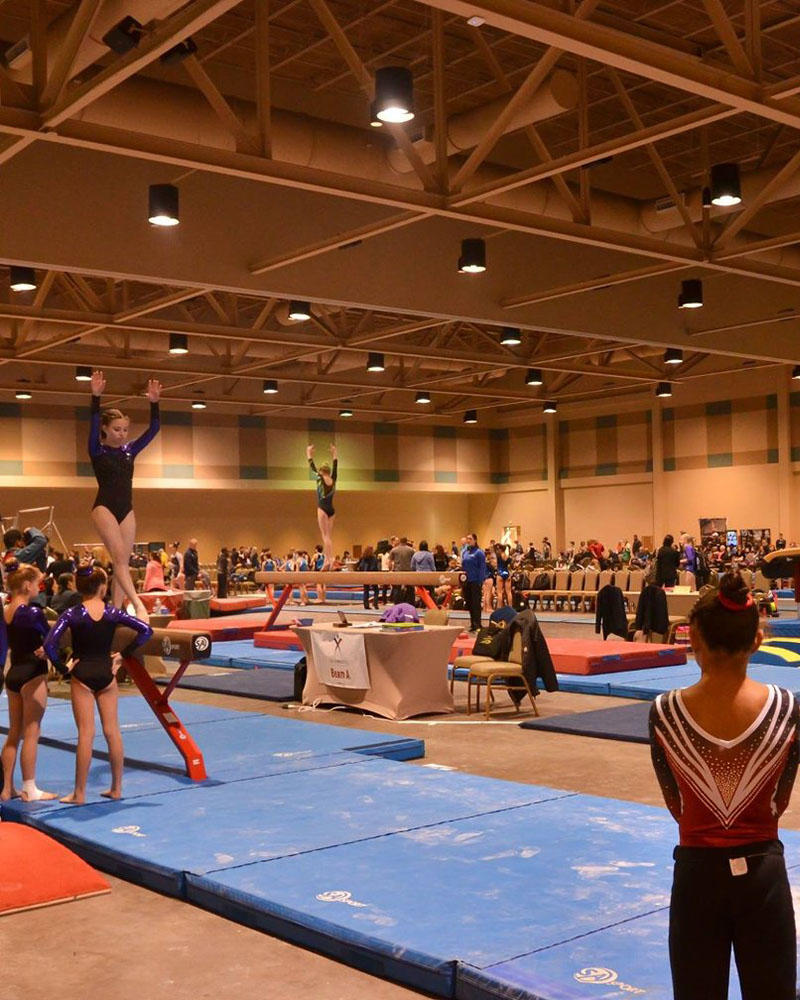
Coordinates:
column 24, row 627
column 92, row 670
column 112, row 460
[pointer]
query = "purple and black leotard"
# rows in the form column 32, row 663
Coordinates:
column 25, row 634
column 91, row 643
column 113, row 467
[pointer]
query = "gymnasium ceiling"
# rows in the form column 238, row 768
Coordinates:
column 581, row 136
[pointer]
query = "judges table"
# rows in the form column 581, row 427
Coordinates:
column 406, row 673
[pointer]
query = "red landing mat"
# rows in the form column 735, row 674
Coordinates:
column 593, row 656
column 286, row 639
column 36, row 870
column 227, row 629
column 230, row 605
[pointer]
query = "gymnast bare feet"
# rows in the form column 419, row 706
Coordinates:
column 7, row 796
column 111, row 794
column 38, row 796
column 73, row 799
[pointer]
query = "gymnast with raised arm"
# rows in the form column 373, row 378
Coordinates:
column 326, row 487
column 112, row 460
column 92, row 672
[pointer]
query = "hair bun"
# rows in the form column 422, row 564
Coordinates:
column 733, row 587
column 85, row 569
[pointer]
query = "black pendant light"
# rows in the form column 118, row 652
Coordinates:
column 664, row 390
column 270, row 387
column 471, row 417
column 394, row 95
column 691, row 296
column 726, row 186
column 375, row 362
column 673, row 356
column 534, row 376
column 22, row 279
column 163, row 205
column 473, row 256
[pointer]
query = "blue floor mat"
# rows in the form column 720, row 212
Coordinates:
column 628, row 723
column 630, row 959
column 55, row 772
column 784, row 627
column 266, row 684
column 278, row 816
column 478, row 890
column 244, row 655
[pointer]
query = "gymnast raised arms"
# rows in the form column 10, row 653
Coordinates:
column 326, row 487
column 112, row 458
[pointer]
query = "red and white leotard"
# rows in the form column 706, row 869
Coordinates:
column 726, row 792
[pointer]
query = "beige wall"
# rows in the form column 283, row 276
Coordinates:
column 531, row 509
column 611, row 513
column 279, row 519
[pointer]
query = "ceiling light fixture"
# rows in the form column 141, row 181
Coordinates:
column 23, row 394
column 691, row 296
column 179, row 52
column 374, row 121
column 796, row 371
column 124, row 36
column 673, row 356
column 551, row 406
column 394, row 94
column 178, row 343
column 471, row 417
column 726, row 186
column 534, row 376
column 375, row 362
column 162, row 205
column 270, row 387
column 473, row 256
column 422, row 397
column 664, row 390
column 510, row 337
column 299, row 311
column 22, row 279
column 198, row 405
column 345, row 411
column 83, row 373
column 476, row 21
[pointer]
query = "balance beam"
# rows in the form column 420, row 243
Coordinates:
column 188, row 647
column 345, row 578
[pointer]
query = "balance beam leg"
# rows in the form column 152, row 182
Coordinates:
column 278, row 607
column 175, row 729
column 427, row 600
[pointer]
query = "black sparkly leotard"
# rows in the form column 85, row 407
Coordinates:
column 113, row 467
column 26, row 632
column 91, row 643
column 324, row 492
column 3, row 650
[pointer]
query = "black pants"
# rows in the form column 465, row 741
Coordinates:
column 713, row 910
column 403, row 595
column 367, row 587
column 222, row 584
column 472, row 599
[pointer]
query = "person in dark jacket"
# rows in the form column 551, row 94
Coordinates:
column 368, row 563
column 191, row 565
column 610, row 612
column 223, row 569
column 668, row 560
column 67, row 596
column 473, row 563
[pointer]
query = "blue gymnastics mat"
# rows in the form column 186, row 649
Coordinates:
column 628, row 723
column 414, row 905
column 351, row 800
column 783, row 627
column 245, row 656
column 265, row 683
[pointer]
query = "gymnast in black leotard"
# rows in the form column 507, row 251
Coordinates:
column 112, row 460
column 326, row 487
column 92, row 671
column 25, row 627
